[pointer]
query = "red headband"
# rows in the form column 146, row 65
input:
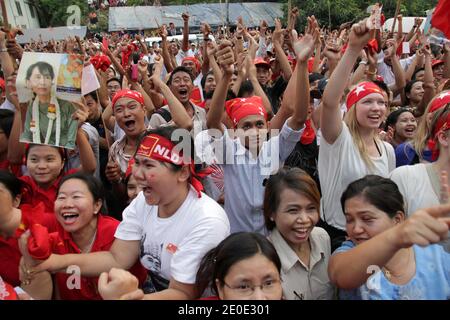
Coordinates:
column 439, row 101
column 101, row 62
column 360, row 91
column 125, row 93
column 194, row 60
column 239, row 108
column 442, row 124
column 158, row 148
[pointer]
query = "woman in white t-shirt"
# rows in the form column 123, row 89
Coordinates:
column 350, row 150
column 170, row 225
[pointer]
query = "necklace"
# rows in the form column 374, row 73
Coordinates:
column 90, row 244
column 389, row 274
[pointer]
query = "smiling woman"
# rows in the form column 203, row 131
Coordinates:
column 291, row 211
column 402, row 252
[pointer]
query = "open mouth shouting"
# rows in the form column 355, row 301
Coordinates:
column 69, row 218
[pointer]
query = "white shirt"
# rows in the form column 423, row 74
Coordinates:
column 415, row 186
column 386, row 71
column 173, row 247
column 340, row 164
column 244, row 174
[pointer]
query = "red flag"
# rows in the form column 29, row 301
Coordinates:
column 440, row 17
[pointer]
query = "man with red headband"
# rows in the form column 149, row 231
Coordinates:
column 194, row 66
column 249, row 160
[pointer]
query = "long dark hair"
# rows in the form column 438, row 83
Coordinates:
column 236, row 247
column 11, row 182
column 380, row 192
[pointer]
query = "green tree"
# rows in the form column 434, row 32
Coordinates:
column 53, row 13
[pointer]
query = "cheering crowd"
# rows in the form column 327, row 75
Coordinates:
column 312, row 166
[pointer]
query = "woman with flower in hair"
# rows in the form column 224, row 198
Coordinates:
column 350, row 149
column 48, row 119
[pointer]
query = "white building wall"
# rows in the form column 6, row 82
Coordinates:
column 25, row 21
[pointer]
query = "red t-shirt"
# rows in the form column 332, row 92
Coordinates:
column 13, row 168
column 106, row 228
column 32, row 193
column 7, row 292
column 9, row 247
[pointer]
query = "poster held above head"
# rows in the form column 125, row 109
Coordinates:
column 49, row 83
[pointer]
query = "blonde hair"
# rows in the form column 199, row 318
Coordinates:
column 423, row 132
column 352, row 123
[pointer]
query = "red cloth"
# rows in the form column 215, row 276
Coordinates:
column 7, row 292
column 309, row 134
column 126, row 54
column 32, row 193
column 41, row 243
column 126, row 93
column 106, row 227
column 439, row 101
column 442, row 124
column 440, row 17
column 239, row 108
column 101, row 62
column 194, row 60
column 9, row 247
column 13, row 168
column 2, row 85
column 196, row 96
column 360, row 91
column 373, row 45
column 156, row 147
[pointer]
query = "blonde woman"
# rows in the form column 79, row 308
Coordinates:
column 350, row 149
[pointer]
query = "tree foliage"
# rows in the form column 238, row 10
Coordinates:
column 53, row 13
column 336, row 12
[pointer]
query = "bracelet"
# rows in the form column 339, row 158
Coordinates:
column 370, row 73
column 363, row 62
column 3, row 50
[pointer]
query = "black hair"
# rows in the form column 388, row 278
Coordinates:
column 383, row 86
column 245, row 89
column 393, row 118
column 114, row 79
column 416, row 72
column 61, row 151
column 93, row 95
column 208, row 95
column 6, row 121
column 288, row 178
column 94, row 185
column 237, row 247
column 177, row 70
column 380, row 192
column 168, row 133
column 203, row 81
column 408, row 89
column 11, row 182
column 42, row 67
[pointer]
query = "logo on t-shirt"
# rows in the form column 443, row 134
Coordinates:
column 171, row 248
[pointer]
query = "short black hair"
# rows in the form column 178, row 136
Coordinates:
column 177, row 70
column 94, row 185
column 42, row 67
column 93, row 95
column 233, row 249
column 11, row 182
column 393, row 117
column 380, row 192
column 114, row 79
column 6, row 121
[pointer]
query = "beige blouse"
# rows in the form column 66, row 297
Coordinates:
column 302, row 282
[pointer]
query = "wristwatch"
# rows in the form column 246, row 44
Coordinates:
column 3, row 50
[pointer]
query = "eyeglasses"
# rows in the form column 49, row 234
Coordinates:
column 246, row 289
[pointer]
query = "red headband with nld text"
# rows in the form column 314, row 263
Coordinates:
column 158, row 148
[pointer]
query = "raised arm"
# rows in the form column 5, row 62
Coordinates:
column 225, row 58
column 185, row 43
column 277, row 39
column 350, row 269
column 304, row 49
column 331, row 120
column 177, row 110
